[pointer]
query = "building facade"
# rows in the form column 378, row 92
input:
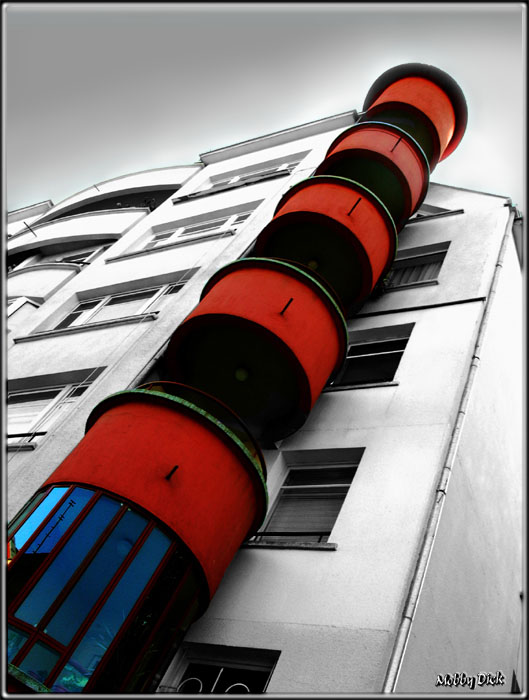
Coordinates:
column 350, row 521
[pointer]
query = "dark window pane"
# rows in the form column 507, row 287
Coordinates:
column 175, row 623
column 151, row 611
column 174, row 289
column 129, row 298
column 78, row 391
column 44, row 396
column 87, row 590
column 207, row 678
column 323, row 475
column 68, row 320
column 52, row 582
column 15, row 640
column 39, row 661
column 112, row 615
column 370, row 369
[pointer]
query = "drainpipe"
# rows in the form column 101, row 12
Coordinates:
column 410, row 608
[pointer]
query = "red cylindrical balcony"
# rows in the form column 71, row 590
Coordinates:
column 265, row 339
column 428, row 90
column 172, row 458
column 338, row 228
column 386, row 160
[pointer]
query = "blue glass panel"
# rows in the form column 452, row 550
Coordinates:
column 15, row 640
column 36, row 518
column 71, row 680
column 111, row 616
column 39, row 661
column 65, row 623
column 25, row 510
column 60, row 522
column 52, row 582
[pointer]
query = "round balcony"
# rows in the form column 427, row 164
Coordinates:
column 337, row 227
column 264, row 339
column 181, row 464
column 386, row 160
column 429, row 90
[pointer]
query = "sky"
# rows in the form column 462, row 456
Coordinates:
column 95, row 91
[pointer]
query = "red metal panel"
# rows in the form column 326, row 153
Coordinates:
column 351, row 232
column 394, row 147
column 429, row 99
column 211, row 501
column 298, row 330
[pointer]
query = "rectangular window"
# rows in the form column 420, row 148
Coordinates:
column 373, row 356
column 115, row 306
column 429, row 211
column 31, row 413
column 192, row 231
column 212, row 668
column 83, row 257
column 310, row 497
column 258, row 172
column 261, row 172
column 416, row 266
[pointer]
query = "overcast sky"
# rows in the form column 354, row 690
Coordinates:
column 94, row 91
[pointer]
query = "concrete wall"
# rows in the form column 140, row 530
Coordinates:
column 469, row 614
column 40, row 281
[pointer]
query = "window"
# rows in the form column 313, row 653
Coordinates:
column 211, row 668
column 373, row 356
column 115, row 306
column 311, row 497
column 192, row 231
column 81, row 257
column 81, row 562
column 416, row 266
column 258, row 172
column 31, row 413
column 429, row 211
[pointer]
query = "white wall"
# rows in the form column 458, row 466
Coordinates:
column 469, row 614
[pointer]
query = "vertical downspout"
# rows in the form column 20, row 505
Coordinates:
column 410, row 607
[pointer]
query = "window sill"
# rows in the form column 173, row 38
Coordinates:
column 410, row 285
column 151, row 316
column 328, row 546
column 168, row 246
column 358, row 386
column 21, row 447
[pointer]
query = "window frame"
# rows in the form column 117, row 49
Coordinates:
column 217, row 655
column 63, row 398
column 370, row 337
column 167, row 237
column 248, row 178
column 341, row 490
column 411, row 258
column 427, row 212
column 86, row 317
column 35, row 634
